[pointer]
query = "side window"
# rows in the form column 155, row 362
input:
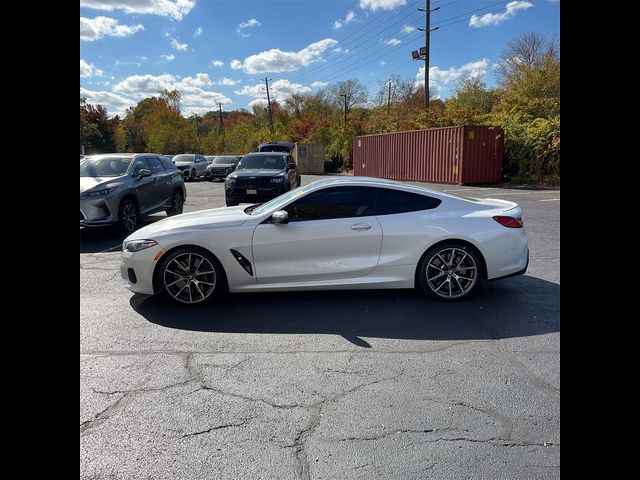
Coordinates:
column 156, row 165
column 336, row 202
column 200, row 159
column 396, row 201
column 140, row 164
column 168, row 165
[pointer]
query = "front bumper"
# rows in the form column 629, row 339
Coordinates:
column 98, row 211
column 240, row 195
column 137, row 269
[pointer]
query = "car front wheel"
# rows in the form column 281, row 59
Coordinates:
column 128, row 216
column 450, row 272
column 191, row 276
column 177, row 204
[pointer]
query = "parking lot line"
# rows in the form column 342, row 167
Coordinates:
column 531, row 192
column 550, row 200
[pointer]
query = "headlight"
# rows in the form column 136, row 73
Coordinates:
column 137, row 245
column 230, row 180
column 277, row 180
column 99, row 193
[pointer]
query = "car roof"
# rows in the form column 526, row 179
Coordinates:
column 116, row 154
column 263, row 154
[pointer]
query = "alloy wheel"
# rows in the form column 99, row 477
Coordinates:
column 451, row 273
column 189, row 278
column 129, row 216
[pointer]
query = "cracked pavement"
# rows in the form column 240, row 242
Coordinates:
column 323, row 385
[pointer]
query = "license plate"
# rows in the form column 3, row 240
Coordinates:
column 252, row 191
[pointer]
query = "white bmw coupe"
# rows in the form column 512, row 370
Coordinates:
column 338, row 233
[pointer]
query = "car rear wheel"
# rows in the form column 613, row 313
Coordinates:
column 177, row 204
column 128, row 216
column 450, row 272
column 191, row 276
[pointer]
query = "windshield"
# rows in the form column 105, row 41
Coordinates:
column 279, row 202
column 224, row 159
column 271, row 162
column 104, row 166
column 183, row 158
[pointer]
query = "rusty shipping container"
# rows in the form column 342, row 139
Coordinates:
column 309, row 157
column 456, row 155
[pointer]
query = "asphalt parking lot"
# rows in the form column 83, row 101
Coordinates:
column 324, row 385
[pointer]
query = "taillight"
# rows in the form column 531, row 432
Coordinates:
column 509, row 222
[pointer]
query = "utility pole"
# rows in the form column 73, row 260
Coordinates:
column 344, row 161
column 424, row 52
column 389, row 98
column 266, row 82
column 220, row 110
column 427, row 28
column 345, row 109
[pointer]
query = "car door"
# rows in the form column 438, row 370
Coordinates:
column 332, row 234
column 144, row 187
column 163, row 191
column 201, row 165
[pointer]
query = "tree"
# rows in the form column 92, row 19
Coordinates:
column 97, row 130
column 356, row 94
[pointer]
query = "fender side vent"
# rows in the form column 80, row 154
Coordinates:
column 244, row 263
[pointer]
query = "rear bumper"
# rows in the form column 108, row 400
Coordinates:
column 515, row 274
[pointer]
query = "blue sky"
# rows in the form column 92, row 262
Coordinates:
column 219, row 50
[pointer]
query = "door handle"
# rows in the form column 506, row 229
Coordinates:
column 360, row 226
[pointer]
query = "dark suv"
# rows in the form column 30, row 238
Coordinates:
column 261, row 176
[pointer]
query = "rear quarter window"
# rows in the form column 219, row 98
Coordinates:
column 396, row 201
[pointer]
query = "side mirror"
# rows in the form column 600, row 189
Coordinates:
column 292, row 166
column 143, row 172
column 280, row 217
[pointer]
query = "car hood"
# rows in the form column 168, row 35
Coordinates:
column 201, row 220
column 257, row 172
column 87, row 183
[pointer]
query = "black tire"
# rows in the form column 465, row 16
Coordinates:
column 177, row 204
column 194, row 176
column 231, row 201
column 128, row 216
column 180, row 281
column 454, row 261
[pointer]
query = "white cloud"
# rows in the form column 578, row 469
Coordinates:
column 241, row 30
column 511, row 10
column 89, row 70
column 115, row 104
column 192, row 95
column 217, row 63
column 278, row 90
column 374, row 5
column 438, row 77
column 95, row 28
column 382, row 62
column 190, row 111
column 169, row 57
column 275, row 60
column 227, row 81
column 200, row 80
column 180, row 47
column 235, row 64
column 319, row 84
column 199, row 31
column 341, row 50
column 408, row 29
column 392, row 41
column 175, row 9
column 349, row 17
